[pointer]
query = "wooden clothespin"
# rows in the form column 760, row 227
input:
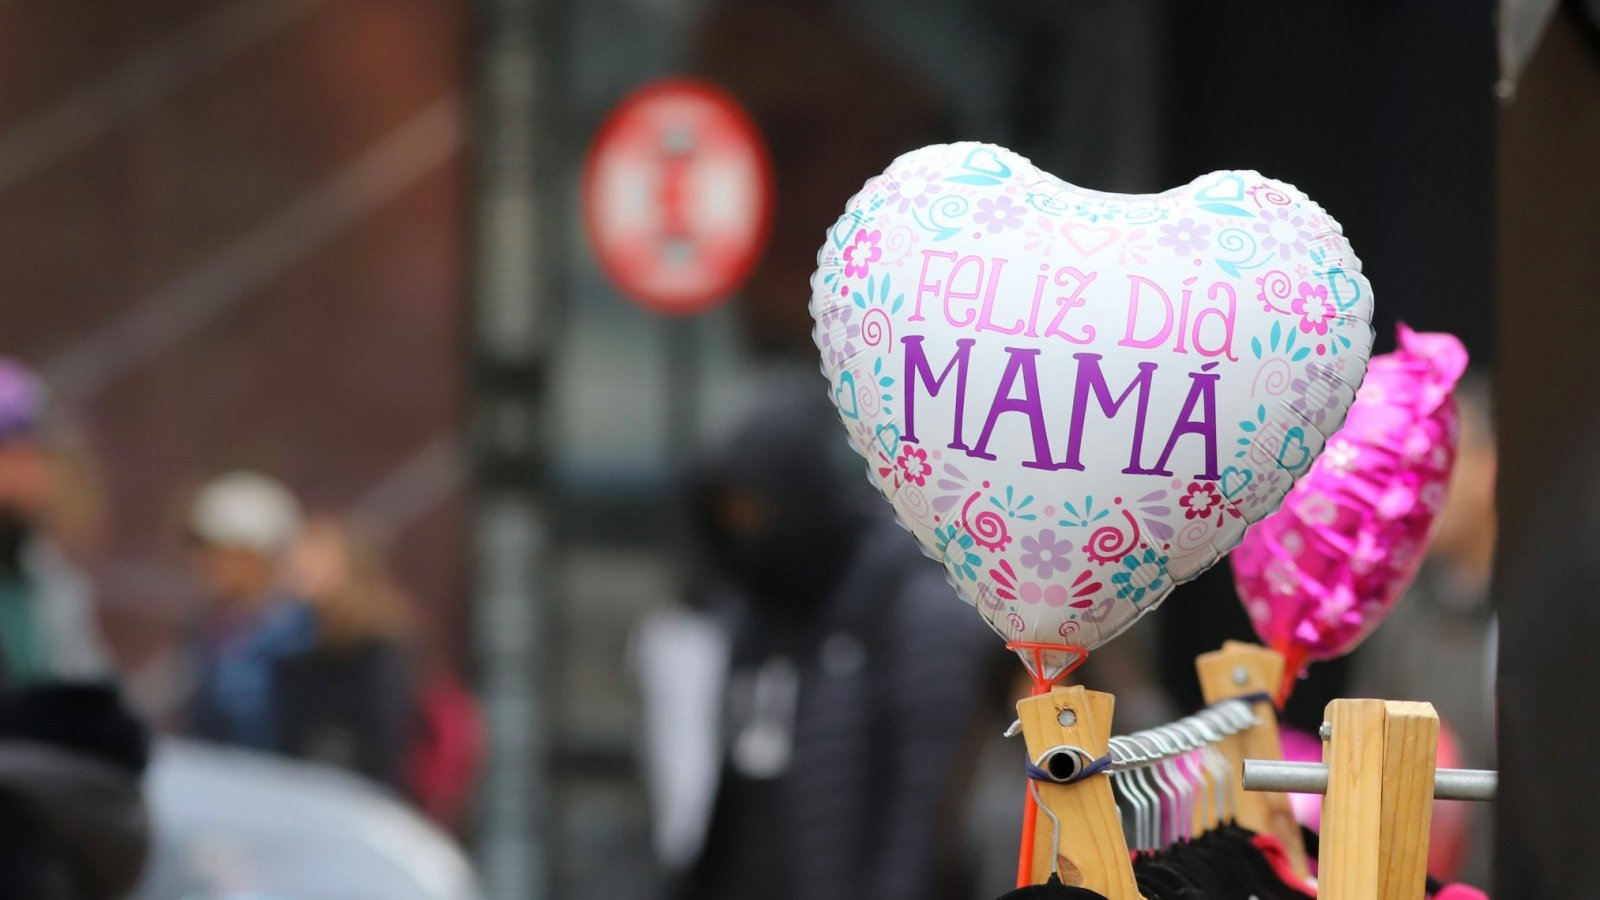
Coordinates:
column 1247, row 670
column 1377, row 811
column 1079, row 833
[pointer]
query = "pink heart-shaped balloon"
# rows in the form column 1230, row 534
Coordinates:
column 1317, row 576
column 1093, row 393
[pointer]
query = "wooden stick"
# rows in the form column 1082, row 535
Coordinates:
column 1090, row 850
column 1240, row 670
column 1410, row 755
column 1352, row 808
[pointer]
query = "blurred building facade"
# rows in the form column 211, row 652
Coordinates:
column 234, row 237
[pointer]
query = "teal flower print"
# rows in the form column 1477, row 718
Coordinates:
column 1145, row 576
column 958, row 553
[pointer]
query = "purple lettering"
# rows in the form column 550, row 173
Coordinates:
column 1202, row 391
column 917, row 367
column 1020, row 362
column 1091, row 378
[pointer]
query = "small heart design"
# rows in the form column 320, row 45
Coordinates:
column 1095, row 237
column 844, row 229
column 1227, row 188
column 893, row 432
column 1295, row 437
column 844, row 396
column 985, row 161
column 1343, row 289
column 1240, row 478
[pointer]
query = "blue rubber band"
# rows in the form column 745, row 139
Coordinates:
column 1092, row 769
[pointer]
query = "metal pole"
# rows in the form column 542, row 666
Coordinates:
column 516, row 250
column 1312, row 778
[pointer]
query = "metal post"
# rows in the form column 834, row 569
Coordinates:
column 1312, row 778
column 515, row 253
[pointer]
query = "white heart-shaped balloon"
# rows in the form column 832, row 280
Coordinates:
column 1074, row 399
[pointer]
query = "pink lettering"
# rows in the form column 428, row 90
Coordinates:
column 986, row 314
column 1068, row 303
column 923, row 287
column 1136, row 282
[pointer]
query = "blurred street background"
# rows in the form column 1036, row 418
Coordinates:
column 305, row 325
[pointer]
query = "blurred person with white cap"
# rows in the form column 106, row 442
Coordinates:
column 47, row 622
column 240, row 526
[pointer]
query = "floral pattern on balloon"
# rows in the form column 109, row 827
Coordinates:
column 1076, row 400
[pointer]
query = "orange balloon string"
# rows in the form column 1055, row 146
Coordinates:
column 1295, row 660
column 1041, row 685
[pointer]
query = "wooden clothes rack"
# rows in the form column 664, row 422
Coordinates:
column 1375, row 816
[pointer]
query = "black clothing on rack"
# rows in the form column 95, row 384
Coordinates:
column 1223, row 864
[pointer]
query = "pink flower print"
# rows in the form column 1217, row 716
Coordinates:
column 1294, row 543
column 1280, row 576
column 1313, row 308
column 1281, row 230
column 914, row 465
column 1367, row 554
column 1045, row 555
column 913, row 187
column 1330, row 611
column 1318, row 510
column 859, row 256
column 999, row 214
column 1185, row 237
column 1049, row 595
column 1342, row 457
column 1201, row 501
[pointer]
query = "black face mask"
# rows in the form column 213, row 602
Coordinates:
column 790, row 561
column 804, row 511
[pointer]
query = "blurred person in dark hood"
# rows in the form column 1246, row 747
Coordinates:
column 47, row 621
column 854, row 682
column 73, row 819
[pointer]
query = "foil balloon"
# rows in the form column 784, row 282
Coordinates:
column 1322, row 572
column 1076, row 400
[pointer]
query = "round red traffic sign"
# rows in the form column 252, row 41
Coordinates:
column 677, row 196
